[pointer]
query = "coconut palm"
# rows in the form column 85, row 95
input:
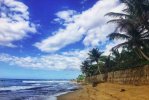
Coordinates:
column 137, row 10
column 94, row 56
column 131, row 28
column 134, row 39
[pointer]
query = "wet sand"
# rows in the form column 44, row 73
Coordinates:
column 108, row 91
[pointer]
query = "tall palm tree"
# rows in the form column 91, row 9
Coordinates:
column 131, row 28
column 94, row 56
column 137, row 10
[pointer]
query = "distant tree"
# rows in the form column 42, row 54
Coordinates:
column 94, row 56
column 108, row 64
column 80, row 78
column 85, row 67
column 117, row 58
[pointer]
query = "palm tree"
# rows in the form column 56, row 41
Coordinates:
column 134, row 29
column 137, row 10
column 94, row 56
column 85, row 67
column 117, row 58
column 134, row 39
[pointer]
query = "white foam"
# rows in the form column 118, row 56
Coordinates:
column 54, row 97
column 15, row 88
column 73, row 87
column 51, row 98
column 46, row 81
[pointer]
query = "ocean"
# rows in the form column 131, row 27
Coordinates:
column 33, row 89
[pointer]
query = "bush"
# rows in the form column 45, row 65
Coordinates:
column 80, row 78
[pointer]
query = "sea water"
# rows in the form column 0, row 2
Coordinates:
column 33, row 89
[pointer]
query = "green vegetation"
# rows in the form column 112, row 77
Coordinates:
column 80, row 78
column 133, row 29
column 94, row 56
column 94, row 64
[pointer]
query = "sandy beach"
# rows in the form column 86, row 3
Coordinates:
column 108, row 91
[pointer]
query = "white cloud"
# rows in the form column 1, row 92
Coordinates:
column 98, row 34
column 112, row 44
column 15, row 24
column 67, row 60
column 90, row 24
column 66, row 16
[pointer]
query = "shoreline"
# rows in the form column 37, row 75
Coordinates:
column 108, row 91
column 67, row 95
column 57, row 96
column 61, row 95
column 54, row 97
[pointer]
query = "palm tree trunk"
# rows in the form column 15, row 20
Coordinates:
column 98, row 68
column 144, row 55
column 140, row 56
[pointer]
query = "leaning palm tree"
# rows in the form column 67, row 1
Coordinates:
column 133, row 37
column 130, row 28
column 94, row 56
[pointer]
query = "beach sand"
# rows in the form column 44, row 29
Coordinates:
column 108, row 91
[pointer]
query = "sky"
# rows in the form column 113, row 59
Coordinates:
column 48, row 39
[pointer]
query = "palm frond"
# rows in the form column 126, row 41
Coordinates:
column 145, row 41
column 113, row 14
column 94, row 54
column 113, row 36
column 120, row 45
column 114, row 21
column 146, row 34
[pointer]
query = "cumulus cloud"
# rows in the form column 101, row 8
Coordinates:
column 15, row 22
column 90, row 25
column 65, row 17
column 67, row 60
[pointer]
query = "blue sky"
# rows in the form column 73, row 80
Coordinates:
column 50, row 38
